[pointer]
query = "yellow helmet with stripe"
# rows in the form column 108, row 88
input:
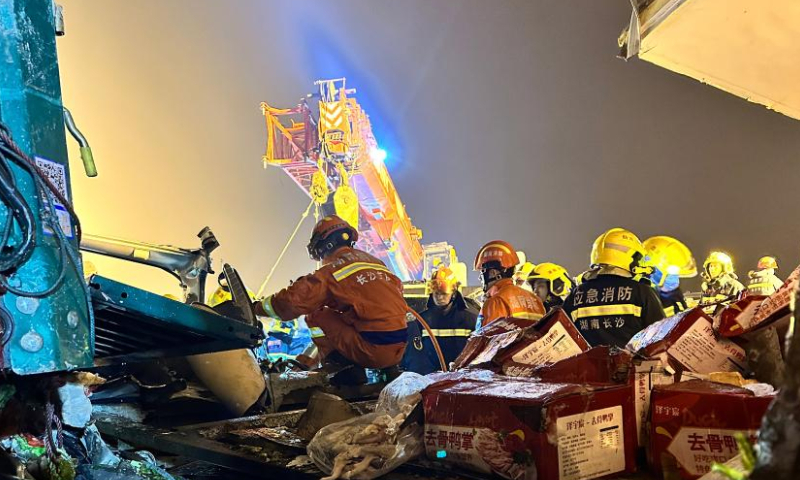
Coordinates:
column 767, row 262
column 618, row 248
column 556, row 275
column 671, row 256
column 523, row 272
column 722, row 259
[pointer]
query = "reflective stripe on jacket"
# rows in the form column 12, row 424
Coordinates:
column 610, row 309
column 452, row 328
column 357, row 286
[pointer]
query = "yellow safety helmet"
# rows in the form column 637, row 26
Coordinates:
column 619, row 248
column 523, row 272
column 556, row 275
column 443, row 280
column 766, row 262
column 722, row 258
column 671, row 256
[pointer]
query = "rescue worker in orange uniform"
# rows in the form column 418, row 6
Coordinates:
column 353, row 304
column 496, row 262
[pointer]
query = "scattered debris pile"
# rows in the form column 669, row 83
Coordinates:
column 372, row 445
column 524, row 401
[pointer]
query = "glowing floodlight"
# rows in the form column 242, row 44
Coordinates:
column 378, row 154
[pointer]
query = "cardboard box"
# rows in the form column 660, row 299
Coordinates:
column 550, row 340
column 517, row 345
column 739, row 317
column 608, row 366
column 523, row 429
column 474, row 374
column 646, row 376
column 687, row 342
column 484, row 344
column 693, row 423
column 601, row 365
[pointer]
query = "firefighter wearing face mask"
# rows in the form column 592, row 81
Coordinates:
column 610, row 305
column 551, row 283
column 763, row 280
column 720, row 283
column 497, row 261
column 451, row 320
column 671, row 260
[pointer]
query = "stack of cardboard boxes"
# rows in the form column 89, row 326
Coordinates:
column 535, row 402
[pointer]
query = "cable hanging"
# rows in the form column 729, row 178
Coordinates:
column 285, row 248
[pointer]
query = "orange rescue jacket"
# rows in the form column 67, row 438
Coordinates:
column 504, row 299
column 356, row 285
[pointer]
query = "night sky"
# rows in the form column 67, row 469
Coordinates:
column 507, row 119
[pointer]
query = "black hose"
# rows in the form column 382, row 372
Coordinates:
column 25, row 161
column 22, row 213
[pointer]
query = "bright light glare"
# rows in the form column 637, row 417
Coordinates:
column 673, row 269
column 378, row 154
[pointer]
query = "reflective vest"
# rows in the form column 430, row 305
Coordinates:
column 452, row 328
column 673, row 302
column 722, row 289
column 764, row 282
column 611, row 309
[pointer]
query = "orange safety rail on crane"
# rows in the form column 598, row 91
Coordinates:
column 288, row 146
column 337, row 145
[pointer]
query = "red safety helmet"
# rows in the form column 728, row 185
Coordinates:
column 329, row 234
column 496, row 251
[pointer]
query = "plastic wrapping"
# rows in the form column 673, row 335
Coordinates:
column 372, row 445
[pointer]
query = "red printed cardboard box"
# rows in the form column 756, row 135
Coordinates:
column 605, row 365
column 776, row 306
column 739, row 317
column 550, row 340
column 519, row 345
column 687, row 342
column 602, row 365
column 693, row 423
column 484, row 344
column 646, row 375
column 523, row 429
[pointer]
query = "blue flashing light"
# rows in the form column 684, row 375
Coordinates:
column 378, row 154
column 441, row 453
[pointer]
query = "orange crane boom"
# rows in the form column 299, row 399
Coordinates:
column 331, row 153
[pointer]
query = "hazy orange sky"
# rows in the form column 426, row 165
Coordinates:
column 503, row 119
